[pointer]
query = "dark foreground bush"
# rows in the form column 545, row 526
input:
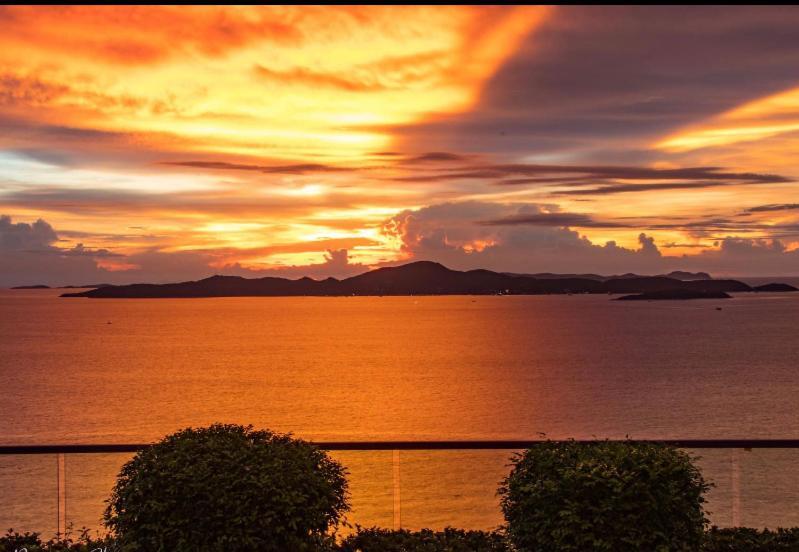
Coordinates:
column 227, row 488
column 32, row 542
column 743, row 539
column 604, row 496
column 448, row 540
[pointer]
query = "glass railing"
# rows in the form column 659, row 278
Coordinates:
column 50, row 489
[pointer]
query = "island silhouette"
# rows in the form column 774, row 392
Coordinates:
column 429, row 278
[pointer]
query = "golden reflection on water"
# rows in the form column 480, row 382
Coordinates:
column 397, row 368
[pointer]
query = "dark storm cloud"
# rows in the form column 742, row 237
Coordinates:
column 701, row 227
column 590, row 172
column 437, row 156
column 465, row 175
column 596, row 179
column 554, row 219
column 309, row 168
column 593, row 76
column 673, row 245
column 638, row 173
column 626, row 188
column 774, row 207
column 710, row 228
column 720, row 229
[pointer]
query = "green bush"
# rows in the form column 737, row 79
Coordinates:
column 604, row 496
column 743, row 539
column 227, row 488
column 448, row 540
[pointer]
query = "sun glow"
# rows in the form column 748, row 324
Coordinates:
column 283, row 81
column 757, row 120
column 264, row 85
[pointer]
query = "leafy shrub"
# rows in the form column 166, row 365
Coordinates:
column 32, row 542
column 227, row 488
column 448, row 540
column 604, row 496
column 744, row 539
column 14, row 541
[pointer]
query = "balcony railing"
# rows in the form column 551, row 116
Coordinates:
column 395, row 447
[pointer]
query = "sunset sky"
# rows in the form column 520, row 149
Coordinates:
column 172, row 143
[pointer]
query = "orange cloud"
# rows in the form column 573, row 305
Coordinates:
column 283, row 82
column 143, row 34
column 760, row 119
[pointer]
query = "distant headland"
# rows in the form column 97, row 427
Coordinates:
column 430, row 278
column 42, row 286
column 673, row 294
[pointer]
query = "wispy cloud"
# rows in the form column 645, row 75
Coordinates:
column 298, row 168
column 561, row 219
column 774, row 207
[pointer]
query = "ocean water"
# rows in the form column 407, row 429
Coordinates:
column 372, row 368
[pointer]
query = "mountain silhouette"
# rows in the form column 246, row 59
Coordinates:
column 416, row 278
column 677, row 275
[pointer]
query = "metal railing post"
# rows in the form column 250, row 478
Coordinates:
column 61, row 495
column 735, row 475
column 397, row 490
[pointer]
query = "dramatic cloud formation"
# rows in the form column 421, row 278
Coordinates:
column 597, row 81
column 537, row 238
column 30, row 252
column 283, row 82
column 21, row 236
column 449, row 232
column 162, row 143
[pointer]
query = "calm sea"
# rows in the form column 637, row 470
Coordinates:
column 99, row 371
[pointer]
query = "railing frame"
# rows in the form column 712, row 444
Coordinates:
column 425, row 445
column 60, row 450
